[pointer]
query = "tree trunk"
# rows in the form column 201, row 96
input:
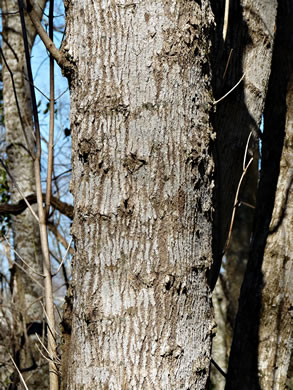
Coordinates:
column 275, row 323
column 223, row 337
column 142, row 183
column 262, row 342
column 246, row 51
column 25, row 292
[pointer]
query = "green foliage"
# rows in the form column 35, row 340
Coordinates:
column 5, row 219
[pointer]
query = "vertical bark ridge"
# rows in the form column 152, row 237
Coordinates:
column 142, row 184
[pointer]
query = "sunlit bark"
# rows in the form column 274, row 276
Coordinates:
column 143, row 189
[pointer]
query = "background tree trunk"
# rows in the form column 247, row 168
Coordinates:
column 275, row 323
column 227, row 289
column 246, row 51
column 142, row 184
column 26, row 294
column 262, row 343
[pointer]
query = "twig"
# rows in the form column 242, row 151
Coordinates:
column 51, row 123
column 57, row 55
column 19, row 373
column 24, row 262
column 228, row 62
column 61, row 94
column 226, row 19
column 52, row 330
column 59, row 259
column 25, row 271
column 9, row 13
column 53, row 377
column 49, row 360
column 38, row 89
column 43, row 345
column 64, row 257
column 246, row 149
column 236, row 202
column 53, row 228
column 17, row 208
column 231, row 90
column 219, row 368
column 246, row 204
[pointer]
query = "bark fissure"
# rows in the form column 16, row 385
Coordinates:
column 143, row 191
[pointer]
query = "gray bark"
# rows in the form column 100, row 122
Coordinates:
column 223, row 335
column 26, row 293
column 142, row 184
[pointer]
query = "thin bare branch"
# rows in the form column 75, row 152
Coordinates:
column 236, row 204
column 64, row 257
column 57, row 55
column 51, row 123
column 25, row 271
column 52, row 347
column 236, row 201
column 24, row 262
column 246, row 204
column 218, row 368
column 19, row 373
column 231, row 90
column 17, row 208
column 45, row 357
column 61, row 94
column 53, row 330
column 228, row 63
column 246, row 149
column 38, row 89
column 226, row 19
column 60, row 237
column 44, row 347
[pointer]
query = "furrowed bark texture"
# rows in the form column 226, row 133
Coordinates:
column 275, row 330
column 142, row 184
column 26, row 293
column 249, row 44
column 223, row 335
column 262, row 343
